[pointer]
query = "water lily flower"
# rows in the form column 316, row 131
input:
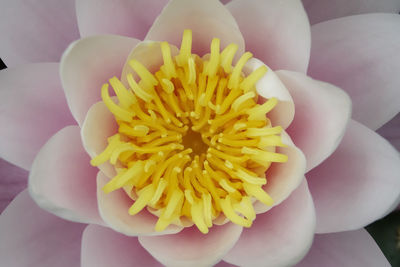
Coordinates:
column 207, row 154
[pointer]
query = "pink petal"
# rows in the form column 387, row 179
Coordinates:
column 358, row 54
column 322, row 10
column 358, row 184
column 354, row 248
column 114, row 207
column 87, row 64
column 207, row 19
column 99, row 125
column 36, row 32
column 283, row 178
column 391, row 131
column 12, row 181
column 270, row 86
column 102, row 247
column 192, row 248
column 120, row 17
column 280, row 237
column 62, row 180
column 33, row 108
column 33, row 237
column 276, row 31
column 322, row 113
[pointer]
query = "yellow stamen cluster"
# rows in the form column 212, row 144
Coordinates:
column 193, row 144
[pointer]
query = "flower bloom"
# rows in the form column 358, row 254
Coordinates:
column 199, row 158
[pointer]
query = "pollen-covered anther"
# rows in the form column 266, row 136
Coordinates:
column 192, row 139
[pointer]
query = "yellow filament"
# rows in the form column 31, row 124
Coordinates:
column 192, row 71
column 168, row 62
column 213, row 64
column 144, row 74
column 192, row 144
column 124, row 96
column 119, row 112
column 145, row 196
column 241, row 99
column 138, row 90
column 168, row 86
column 254, row 132
column 258, row 112
column 227, row 56
column 248, row 83
column 186, row 47
column 237, row 70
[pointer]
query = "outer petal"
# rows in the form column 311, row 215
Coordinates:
column 322, row 113
column 33, row 237
column 33, row 108
column 321, row 10
column 277, row 32
column 358, row 54
column 354, row 248
column 114, row 207
column 36, row 32
column 12, row 181
column 391, row 131
column 358, row 183
column 192, row 248
column 103, row 247
column 120, row 17
column 62, row 180
column 270, row 86
column 280, row 237
column 207, row 19
column 87, row 65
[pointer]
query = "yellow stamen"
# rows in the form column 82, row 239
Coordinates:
column 192, row 142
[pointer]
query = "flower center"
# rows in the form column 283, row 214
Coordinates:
column 193, row 140
column 193, row 145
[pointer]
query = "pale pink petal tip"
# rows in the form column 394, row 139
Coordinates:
column 103, row 247
column 358, row 184
column 119, row 17
column 89, row 63
column 207, row 19
column 31, row 236
column 33, row 108
column 275, row 31
column 322, row 114
column 352, row 248
column 360, row 55
column 62, row 180
column 191, row 247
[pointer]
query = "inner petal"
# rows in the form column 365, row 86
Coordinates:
column 193, row 144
